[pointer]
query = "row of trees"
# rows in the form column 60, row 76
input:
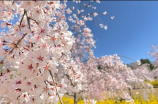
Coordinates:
column 143, row 61
column 43, row 60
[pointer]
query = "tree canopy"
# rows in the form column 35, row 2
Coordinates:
column 147, row 61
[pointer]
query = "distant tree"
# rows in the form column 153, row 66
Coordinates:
column 128, row 65
column 99, row 67
column 147, row 61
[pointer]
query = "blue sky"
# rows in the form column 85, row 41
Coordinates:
column 131, row 33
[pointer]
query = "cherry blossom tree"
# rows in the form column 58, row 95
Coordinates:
column 154, row 53
column 94, row 82
column 34, row 48
column 42, row 60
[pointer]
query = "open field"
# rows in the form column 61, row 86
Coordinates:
column 136, row 94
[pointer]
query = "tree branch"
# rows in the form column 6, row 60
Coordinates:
column 22, row 19
column 69, row 79
column 16, row 45
column 55, row 86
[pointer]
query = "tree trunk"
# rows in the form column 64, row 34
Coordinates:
column 130, row 92
column 75, row 100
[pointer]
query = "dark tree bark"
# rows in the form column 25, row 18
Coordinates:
column 75, row 100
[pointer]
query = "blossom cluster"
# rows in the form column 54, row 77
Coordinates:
column 34, row 48
column 42, row 60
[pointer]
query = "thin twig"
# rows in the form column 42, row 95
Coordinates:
column 34, row 20
column 49, row 82
column 22, row 19
column 51, row 25
column 69, row 79
column 16, row 45
column 28, row 21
